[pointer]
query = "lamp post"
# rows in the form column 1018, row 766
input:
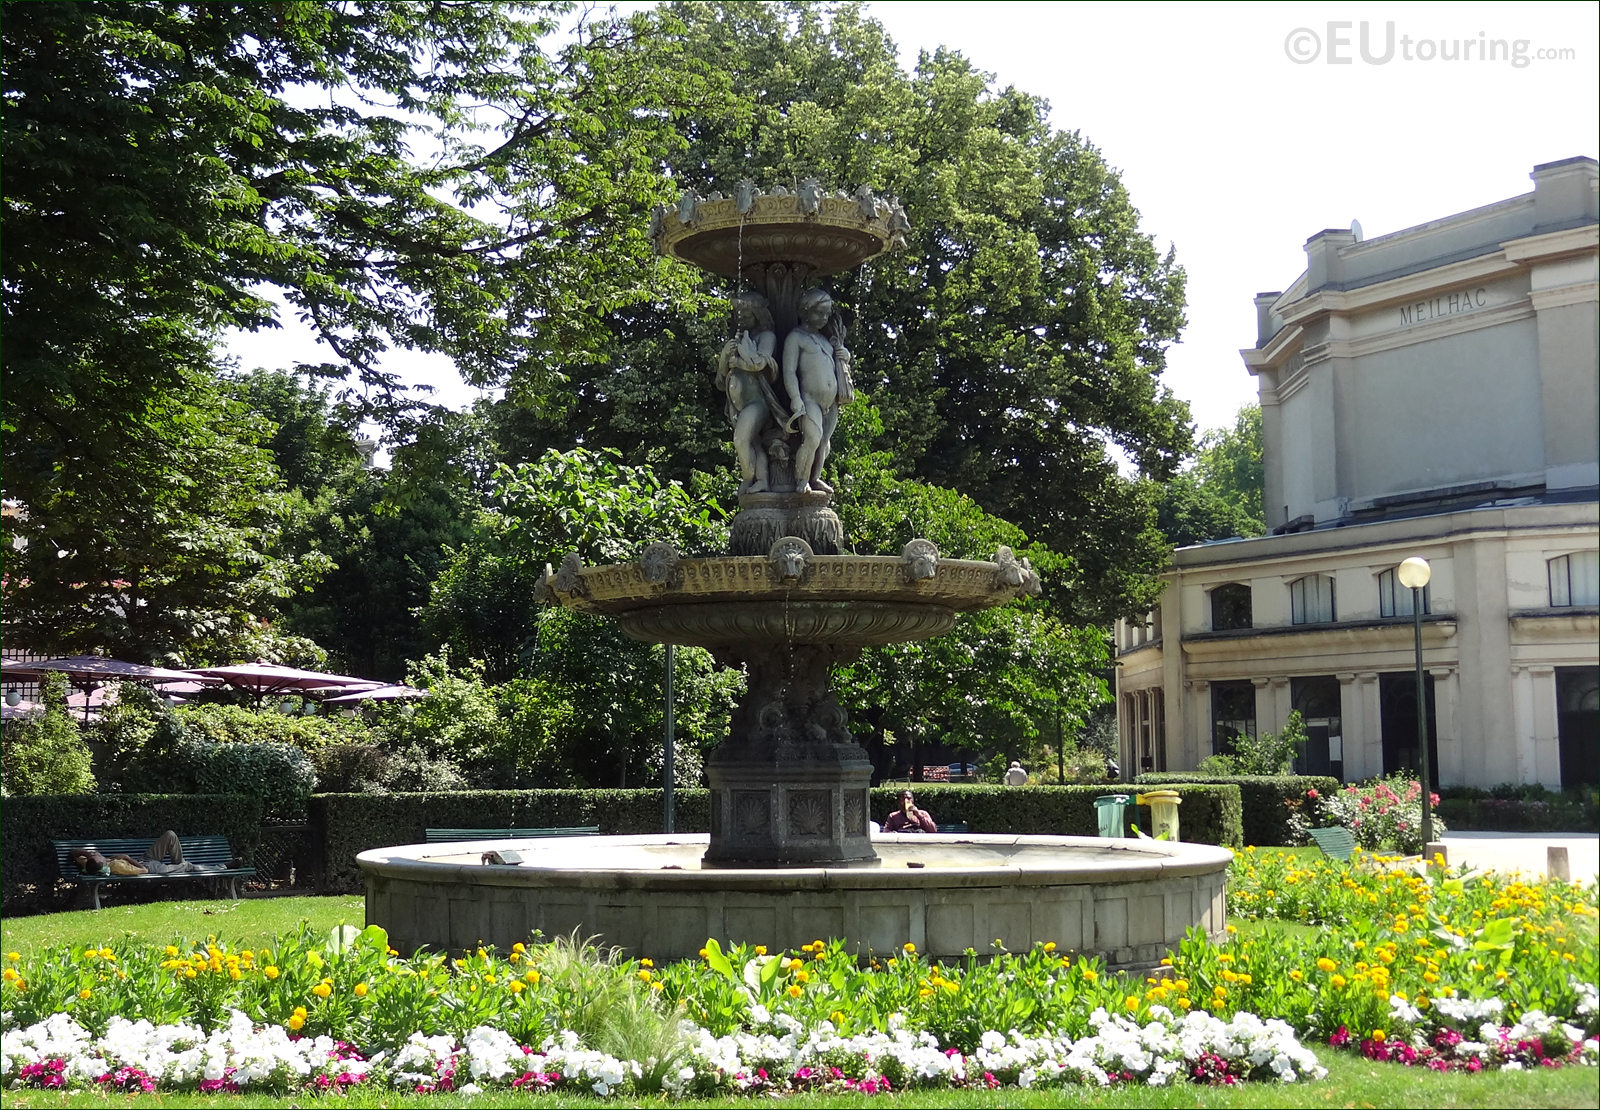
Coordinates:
column 1414, row 574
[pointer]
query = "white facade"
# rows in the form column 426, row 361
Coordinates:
column 1431, row 392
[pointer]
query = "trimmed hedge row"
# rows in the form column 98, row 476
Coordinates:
column 349, row 824
column 1269, row 800
column 1209, row 814
column 29, row 823
column 1556, row 814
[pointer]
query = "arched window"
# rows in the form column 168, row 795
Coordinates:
column 1394, row 599
column 1575, row 579
column 1230, row 607
column 1311, row 599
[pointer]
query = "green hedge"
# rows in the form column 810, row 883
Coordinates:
column 28, row 825
column 348, row 824
column 1269, row 800
column 1556, row 813
column 1209, row 814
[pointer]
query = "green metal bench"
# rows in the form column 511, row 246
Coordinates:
column 446, row 836
column 1336, row 842
column 210, row 852
column 954, row 827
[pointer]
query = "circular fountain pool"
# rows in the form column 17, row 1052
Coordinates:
column 1129, row 901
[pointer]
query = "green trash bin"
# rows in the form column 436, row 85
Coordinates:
column 1108, row 813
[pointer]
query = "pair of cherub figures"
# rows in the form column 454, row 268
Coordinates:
column 814, row 370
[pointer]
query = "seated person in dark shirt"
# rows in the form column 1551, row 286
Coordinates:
column 908, row 818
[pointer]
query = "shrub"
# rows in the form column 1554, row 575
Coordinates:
column 45, row 753
column 237, row 724
column 1269, row 753
column 280, row 775
column 140, row 738
column 1384, row 813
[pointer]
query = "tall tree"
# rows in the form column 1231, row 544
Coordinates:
column 1014, row 349
column 1220, row 495
column 171, row 556
column 468, row 178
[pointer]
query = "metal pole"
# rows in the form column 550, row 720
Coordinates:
column 666, row 764
column 1061, row 758
column 1422, row 721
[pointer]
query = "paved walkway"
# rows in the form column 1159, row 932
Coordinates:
column 1524, row 852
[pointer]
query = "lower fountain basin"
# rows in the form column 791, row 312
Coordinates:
column 1129, row 901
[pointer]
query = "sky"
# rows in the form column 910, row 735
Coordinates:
column 1240, row 131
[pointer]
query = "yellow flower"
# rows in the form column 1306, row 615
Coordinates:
column 1235, row 928
column 1049, row 946
column 1088, row 973
column 909, row 948
column 1325, row 964
column 297, row 1021
column 9, row 974
column 837, row 1017
column 271, row 971
column 1379, row 1035
column 171, row 950
column 647, row 963
column 705, row 954
column 656, row 985
column 802, row 976
column 189, row 973
column 519, row 948
column 90, row 953
column 796, row 965
column 84, row 994
column 533, row 975
column 644, row 973
column 1131, row 1003
column 794, row 990
column 818, row 945
column 923, row 993
column 516, row 986
column 322, row 990
column 1337, row 982
column 15, row 956
column 761, row 950
column 361, row 990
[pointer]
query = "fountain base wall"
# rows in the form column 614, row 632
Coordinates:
column 1128, row 901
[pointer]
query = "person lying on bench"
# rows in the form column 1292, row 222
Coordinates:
column 155, row 862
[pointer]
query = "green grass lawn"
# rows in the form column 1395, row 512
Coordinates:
column 246, row 923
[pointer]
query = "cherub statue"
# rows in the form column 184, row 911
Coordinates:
column 816, row 374
column 745, row 373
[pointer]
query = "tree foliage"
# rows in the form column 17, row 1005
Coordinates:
column 1013, row 350
column 1220, row 495
column 168, row 555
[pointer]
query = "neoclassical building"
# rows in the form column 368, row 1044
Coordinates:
column 1433, row 393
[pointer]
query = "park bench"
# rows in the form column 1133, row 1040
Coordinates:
column 1336, row 842
column 445, row 836
column 954, row 827
column 211, row 852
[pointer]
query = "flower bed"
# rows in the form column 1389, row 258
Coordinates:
column 1416, row 967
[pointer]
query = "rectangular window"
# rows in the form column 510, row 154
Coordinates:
column 1575, row 579
column 1233, row 714
column 1394, row 599
column 1311, row 599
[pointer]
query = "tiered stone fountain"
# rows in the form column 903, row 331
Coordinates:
column 789, row 837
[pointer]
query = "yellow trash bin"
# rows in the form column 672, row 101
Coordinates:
column 1163, row 811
